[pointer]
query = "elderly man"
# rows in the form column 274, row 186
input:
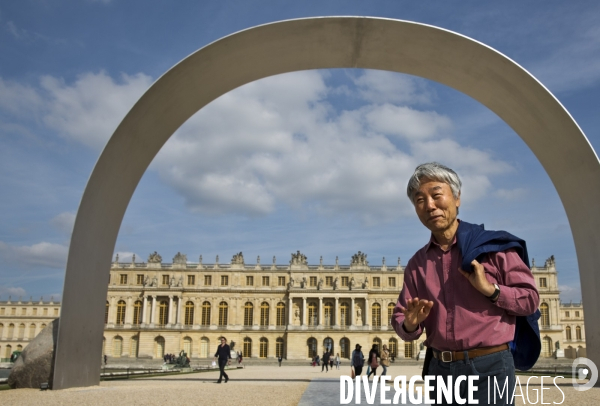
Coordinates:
column 469, row 314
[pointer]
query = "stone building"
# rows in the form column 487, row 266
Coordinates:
column 294, row 309
column 21, row 321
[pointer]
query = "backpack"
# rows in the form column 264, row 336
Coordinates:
column 357, row 359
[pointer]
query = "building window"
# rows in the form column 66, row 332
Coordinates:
column 159, row 347
column 392, row 282
column 328, row 316
column 204, row 344
column 329, row 281
column 187, row 346
column 23, row 311
column 312, row 314
column 547, row 347
column 2, row 311
column 123, row 279
column 344, row 348
column 189, row 313
column 578, row 333
column 137, row 312
column 13, row 311
column 344, row 281
column 279, row 347
column 344, row 314
column 56, row 312
column 163, row 313
column 328, row 344
column 105, row 312
column 21, row 331
column 45, row 311
column 32, row 331
column 545, row 317
column 281, row 281
column 312, row 347
column 1, row 331
column 376, row 281
column 377, row 342
column 543, row 283
column 393, row 347
column 205, row 314
column 264, row 314
column 165, row 279
column 117, row 347
column 408, row 349
column 567, row 314
column 139, row 279
column 390, row 314
column 191, row 280
column 223, row 311
column 576, row 314
column 280, row 314
column 247, row 347
column 248, row 314
column 121, row 306
column 249, row 280
column 133, row 347
column 376, row 314
column 207, row 280
column 265, row 281
column 224, row 280
column 35, row 311
column 11, row 331
column 313, row 281
column 568, row 333
column 264, row 347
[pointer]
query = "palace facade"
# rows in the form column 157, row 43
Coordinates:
column 293, row 310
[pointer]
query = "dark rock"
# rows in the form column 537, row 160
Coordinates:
column 36, row 363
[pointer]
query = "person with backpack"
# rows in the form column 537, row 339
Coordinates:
column 467, row 287
column 357, row 360
column 385, row 359
column 373, row 364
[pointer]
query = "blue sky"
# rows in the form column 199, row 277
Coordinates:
column 314, row 161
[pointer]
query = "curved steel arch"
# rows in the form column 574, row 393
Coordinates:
column 315, row 43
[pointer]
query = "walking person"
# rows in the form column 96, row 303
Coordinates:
column 280, row 359
column 373, row 364
column 337, row 360
column 325, row 365
column 385, row 359
column 223, row 355
column 357, row 360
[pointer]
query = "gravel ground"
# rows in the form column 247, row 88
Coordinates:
column 259, row 385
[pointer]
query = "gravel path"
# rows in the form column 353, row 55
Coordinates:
column 259, row 385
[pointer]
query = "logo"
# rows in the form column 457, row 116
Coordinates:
column 584, row 369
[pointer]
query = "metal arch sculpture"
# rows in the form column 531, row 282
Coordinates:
column 315, row 43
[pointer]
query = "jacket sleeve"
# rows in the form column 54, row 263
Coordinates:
column 518, row 293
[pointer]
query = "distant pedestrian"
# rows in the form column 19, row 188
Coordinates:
column 337, row 360
column 223, row 355
column 105, row 359
column 385, row 359
column 357, row 360
column 373, row 364
column 325, row 365
column 280, row 359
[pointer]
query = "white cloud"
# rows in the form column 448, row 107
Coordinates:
column 15, row 293
column 406, row 122
column 390, row 87
column 18, row 99
column 64, row 222
column 90, row 110
column 511, row 194
column 43, row 254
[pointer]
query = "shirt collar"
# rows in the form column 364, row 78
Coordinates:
column 433, row 241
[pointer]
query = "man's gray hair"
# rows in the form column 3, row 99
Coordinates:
column 434, row 171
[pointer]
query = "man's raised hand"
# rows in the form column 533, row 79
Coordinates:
column 415, row 312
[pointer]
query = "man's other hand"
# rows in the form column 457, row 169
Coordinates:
column 478, row 280
column 415, row 312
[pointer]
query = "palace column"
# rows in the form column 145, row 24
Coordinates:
column 112, row 318
column 179, row 300
column 366, row 313
column 336, row 316
column 144, row 314
column 129, row 312
column 170, row 320
column 304, row 311
column 352, row 314
column 290, row 311
column 153, row 311
column 385, row 320
column 320, row 323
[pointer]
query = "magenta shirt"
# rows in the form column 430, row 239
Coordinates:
column 462, row 318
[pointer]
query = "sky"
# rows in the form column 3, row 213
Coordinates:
column 315, row 161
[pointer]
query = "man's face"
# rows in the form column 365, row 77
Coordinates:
column 435, row 205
